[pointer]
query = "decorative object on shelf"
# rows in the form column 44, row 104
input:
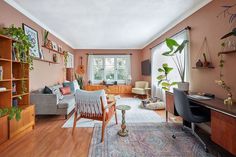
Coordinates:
column 15, row 101
column 199, row 63
column 79, row 80
column 175, row 49
column 13, row 87
column 204, row 52
column 54, row 46
column 49, row 44
column 3, row 89
column 41, row 54
column 89, row 82
column 1, row 73
column 65, row 57
column 14, row 54
column 81, row 69
column 21, row 46
column 59, row 48
column 33, row 38
column 163, row 77
column 54, row 58
column 45, row 37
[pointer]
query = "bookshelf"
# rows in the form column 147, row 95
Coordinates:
column 15, row 73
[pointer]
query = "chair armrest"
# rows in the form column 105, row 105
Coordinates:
column 110, row 104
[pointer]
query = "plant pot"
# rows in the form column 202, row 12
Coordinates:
column 184, row 86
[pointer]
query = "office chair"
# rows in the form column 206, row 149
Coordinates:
column 190, row 112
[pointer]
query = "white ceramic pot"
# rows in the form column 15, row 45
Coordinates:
column 183, row 86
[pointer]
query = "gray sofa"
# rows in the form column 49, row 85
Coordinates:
column 52, row 104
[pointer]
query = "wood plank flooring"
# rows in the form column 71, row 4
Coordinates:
column 50, row 140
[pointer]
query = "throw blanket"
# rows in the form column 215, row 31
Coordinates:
column 88, row 103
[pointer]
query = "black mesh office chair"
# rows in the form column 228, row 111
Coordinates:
column 190, row 112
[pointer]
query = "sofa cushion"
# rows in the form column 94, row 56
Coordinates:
column 138, row 91
column 76, row 85
column 65, row 90
column 67, row 101
column 56, row 90
column 47, row 90
column 69, row 84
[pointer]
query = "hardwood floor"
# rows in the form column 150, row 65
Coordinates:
column 50, row 140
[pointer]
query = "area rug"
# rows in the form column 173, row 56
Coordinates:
column 135, row 115
column 146, row 140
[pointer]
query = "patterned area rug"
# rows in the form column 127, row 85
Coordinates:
column 135, row 115
column 146, row 140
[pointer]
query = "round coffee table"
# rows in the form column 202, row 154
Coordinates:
column 123, row 132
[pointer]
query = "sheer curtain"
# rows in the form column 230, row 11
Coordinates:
column 158, row 59
column 90, row 67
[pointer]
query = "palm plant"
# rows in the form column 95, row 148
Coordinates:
column 175, row 50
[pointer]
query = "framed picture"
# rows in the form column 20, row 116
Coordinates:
column 33, row 36
column 54, row 46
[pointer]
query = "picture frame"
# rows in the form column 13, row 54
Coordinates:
column 33, row 36
column 54, row 46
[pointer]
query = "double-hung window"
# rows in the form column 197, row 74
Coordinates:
column 109, row 68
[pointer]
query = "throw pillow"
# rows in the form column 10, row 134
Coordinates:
column 65, row 90
column 69, row 84
column 47, row 90
column 56, row 90
column 76, row 85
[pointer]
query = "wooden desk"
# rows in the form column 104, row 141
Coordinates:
column 223, row 120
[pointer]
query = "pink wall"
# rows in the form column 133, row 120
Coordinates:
column 43, row 74
column 204, row 23
column 135, row 60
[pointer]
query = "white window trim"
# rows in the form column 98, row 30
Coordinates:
column 91, row 72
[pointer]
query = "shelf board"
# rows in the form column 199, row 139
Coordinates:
column 19, row 62
column 6, row 60
column 17, row 95
column 7, row 37
column 52, row 50
column 203, row 67
column 5, row 80
column 226, row 52
column 43, row 60
column 20, row 79
column 7, row 90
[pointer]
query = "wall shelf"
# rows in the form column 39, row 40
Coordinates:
column 47, row 61
column 53, row 50
column 7, row 90
column 6, row 60
column 20, row 79
column 226, row 52
column 18, row 95
column 203, row 67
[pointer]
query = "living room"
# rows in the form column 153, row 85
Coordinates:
column 117, row 78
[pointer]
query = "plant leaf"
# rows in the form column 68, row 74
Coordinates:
column 173, row 83
column 161, row 70
column 161, row 77
column 165, row 84
column 181, row 46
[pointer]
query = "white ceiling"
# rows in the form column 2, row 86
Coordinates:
column 107, row 24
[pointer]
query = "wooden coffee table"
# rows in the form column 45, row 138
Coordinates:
column 123, row 132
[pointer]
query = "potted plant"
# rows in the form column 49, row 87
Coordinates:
column 79, row 80
column 163, row 77
column 13, row 112
column 175, row 50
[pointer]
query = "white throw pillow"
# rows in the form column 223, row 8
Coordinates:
column 76, row 85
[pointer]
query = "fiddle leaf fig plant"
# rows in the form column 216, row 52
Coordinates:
column 175, row 49
column 163, row 77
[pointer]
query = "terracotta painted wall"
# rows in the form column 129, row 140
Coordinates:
column 43, row 74
column 135, row 60
column 204, row 23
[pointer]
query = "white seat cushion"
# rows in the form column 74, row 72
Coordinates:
column 140, row 91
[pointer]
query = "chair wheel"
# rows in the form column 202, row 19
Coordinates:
column 173, row 136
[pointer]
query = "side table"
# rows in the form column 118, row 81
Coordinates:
column 123, row 132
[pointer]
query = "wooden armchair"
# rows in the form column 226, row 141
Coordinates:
column 94, row 105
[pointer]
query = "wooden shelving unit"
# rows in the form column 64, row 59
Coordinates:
column 47, row 61
column 227, row 52
column 61, row 53
column 17, row 73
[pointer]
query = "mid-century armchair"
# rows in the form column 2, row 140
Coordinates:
column 94, row 105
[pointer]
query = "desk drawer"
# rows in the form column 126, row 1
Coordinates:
column 223, row 131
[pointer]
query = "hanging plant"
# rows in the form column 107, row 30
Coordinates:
column 66, row 54
column 22, row 45
column 13, row 112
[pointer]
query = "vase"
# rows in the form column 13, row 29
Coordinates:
column 184, row 86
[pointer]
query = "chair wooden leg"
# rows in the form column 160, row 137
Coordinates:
column 74, row 124
column 103, row 127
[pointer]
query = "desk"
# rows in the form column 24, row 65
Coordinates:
column 223, row 120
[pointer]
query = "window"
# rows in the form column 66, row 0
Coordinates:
column 158, row 59
column 110, row 68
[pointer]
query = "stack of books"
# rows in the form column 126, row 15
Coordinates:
column 2, row 89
